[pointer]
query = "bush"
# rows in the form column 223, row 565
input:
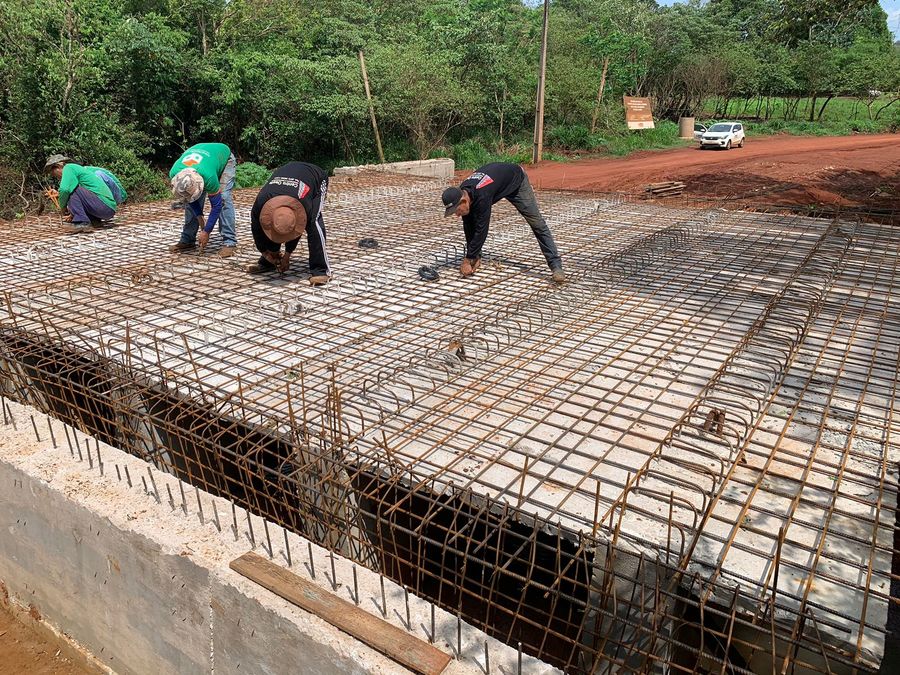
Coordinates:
column 248, row 175
column 665, row 135
column 471, row 153
column 569, row 137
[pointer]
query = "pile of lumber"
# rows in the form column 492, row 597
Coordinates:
column 671, row 188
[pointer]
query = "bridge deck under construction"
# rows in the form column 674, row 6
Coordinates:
column 685, row 455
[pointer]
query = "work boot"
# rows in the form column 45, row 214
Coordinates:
column 319, row 280
column 261, row 267
column 182, row 246
column 559, row 276
column 76, row 228
column 226, row 251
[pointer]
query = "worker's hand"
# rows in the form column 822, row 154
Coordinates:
column 203, row 239
column 67, row 217
column 272, row 257
column 467, row 268
column 52, row 193
column 284, row 263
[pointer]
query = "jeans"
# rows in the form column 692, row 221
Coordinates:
column 526, row 204
column 85, row 207
column 226, row 215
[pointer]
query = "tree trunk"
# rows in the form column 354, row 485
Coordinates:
column 599, row 95
column 885, row 106
column 812, row 107
column 822, row 109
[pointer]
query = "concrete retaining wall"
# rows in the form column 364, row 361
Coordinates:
column 433, row 168
column 145, row 585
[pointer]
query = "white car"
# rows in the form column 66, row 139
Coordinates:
column 699, row 130
column 723, row 135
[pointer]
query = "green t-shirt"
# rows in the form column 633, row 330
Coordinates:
column 74, row 176
column 207, row 159
column 112, row 176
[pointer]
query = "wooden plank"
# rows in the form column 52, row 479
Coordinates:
column 406, row 649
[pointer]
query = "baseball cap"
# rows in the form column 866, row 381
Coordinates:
column 53, row 160
column 451, row 198
column 187, row 185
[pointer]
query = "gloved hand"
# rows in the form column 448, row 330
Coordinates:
column 272, row 257
column 203, row 239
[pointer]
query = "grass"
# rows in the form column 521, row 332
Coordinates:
column 840, row 110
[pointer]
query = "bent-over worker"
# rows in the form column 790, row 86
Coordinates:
column 83, row 195
column 205, row 169
column 473, row 201
column 288, row 205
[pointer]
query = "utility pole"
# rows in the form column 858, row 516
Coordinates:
column 362, row 65
column 538, row 152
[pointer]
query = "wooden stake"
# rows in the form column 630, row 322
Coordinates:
column 362, row 65
column 599, row 94
column 539, row 117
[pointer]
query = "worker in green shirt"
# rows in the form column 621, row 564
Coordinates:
column 205, row 170
column 83, row 195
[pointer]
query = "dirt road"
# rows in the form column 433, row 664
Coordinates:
column 25, row 650
column 862, row 171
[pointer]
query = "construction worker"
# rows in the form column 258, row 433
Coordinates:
column 205, row 169
column 287, row 206
column 84, row 196
column 475, row 197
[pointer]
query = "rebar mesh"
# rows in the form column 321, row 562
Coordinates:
column 682, row 460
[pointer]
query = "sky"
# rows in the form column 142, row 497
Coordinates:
column 891, row 7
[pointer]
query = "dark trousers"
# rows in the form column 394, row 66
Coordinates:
column 86, row 207
column 526, row 204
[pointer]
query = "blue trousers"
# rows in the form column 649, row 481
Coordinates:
column 85, row 207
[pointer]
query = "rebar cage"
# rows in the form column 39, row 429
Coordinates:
column 682, row 460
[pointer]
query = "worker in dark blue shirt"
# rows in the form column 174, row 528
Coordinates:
column 473, row 200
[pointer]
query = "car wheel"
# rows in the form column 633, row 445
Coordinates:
column 728, row 145
column 741, row 144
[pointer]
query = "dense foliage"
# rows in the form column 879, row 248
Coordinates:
column 128, row 83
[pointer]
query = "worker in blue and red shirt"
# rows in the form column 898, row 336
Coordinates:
column 288, row 206
column 475, row 197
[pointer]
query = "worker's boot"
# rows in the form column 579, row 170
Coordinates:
column 559, row 276
column 319, row 280
column 226, row 251
column 76, row 228
column 261, row 267
column 182, row 246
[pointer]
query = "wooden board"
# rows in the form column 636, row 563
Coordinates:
column 410, row 651
column 638, row 112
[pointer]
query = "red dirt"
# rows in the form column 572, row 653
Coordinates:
column 24, row 649
column 861, row 171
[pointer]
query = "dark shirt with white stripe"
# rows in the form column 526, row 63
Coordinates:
column 487, row 186
column 301, row 180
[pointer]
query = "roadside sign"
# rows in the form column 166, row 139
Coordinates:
column 638, row 114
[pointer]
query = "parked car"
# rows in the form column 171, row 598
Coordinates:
column 723, row 135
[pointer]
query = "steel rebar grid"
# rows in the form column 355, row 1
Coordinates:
column 543, row 413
